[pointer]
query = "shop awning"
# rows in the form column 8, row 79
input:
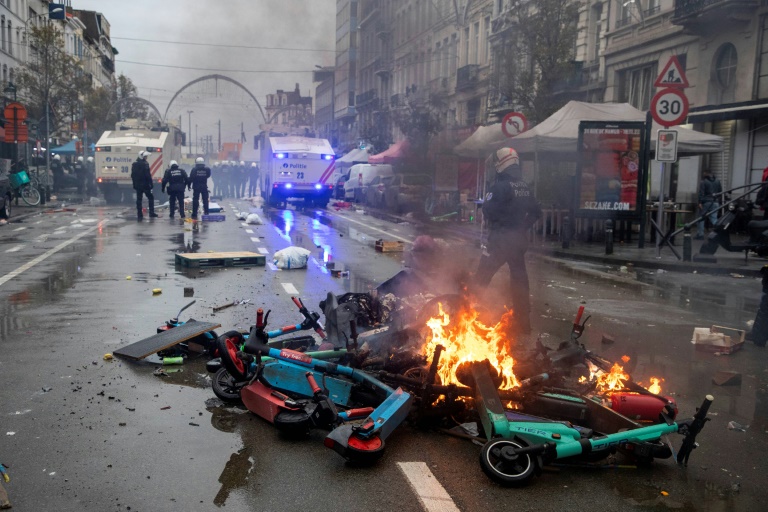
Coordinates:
column 395, row 152
column 743, row 110
column 67, row 149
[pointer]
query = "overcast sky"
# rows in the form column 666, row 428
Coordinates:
column 298, row 24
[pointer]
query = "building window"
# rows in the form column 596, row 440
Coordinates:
column 455, row 56
column 10, row 38
column 2, row 31
column 5, row 73
column 487, row 46
column 725, row 65
column 597, row 30
column 654, row 6
column 624, row 13
column 437, row 56
column 636, row 86
column 476, row 48
column 466, row 46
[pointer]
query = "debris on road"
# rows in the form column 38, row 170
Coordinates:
column 128, row 278
column 159, row 373
column 165, row 408
column 732, row 425
column 718, row 339
column 382, row 245
column 291, row 258
column 108, row 357
column 727, row 378
column 189, row 291
column 253, row 218
column 157, row 291
column 173, row 360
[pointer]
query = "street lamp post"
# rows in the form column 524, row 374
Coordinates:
column 189, row 134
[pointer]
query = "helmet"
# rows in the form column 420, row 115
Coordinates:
column 242, row 163
column 57, row 157
column 143, row 154
column 253, row 164
column 199, row 160
column 79, row 159
column 174, row 162
column 215, row 164
column 505, row 158
column 90, row 159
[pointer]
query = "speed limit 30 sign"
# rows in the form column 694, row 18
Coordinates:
column 669, row 107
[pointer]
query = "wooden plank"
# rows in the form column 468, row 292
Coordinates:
column 165, row 340
column 389, row 246
column 221, row 259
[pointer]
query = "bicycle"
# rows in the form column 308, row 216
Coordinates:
column 22, row 187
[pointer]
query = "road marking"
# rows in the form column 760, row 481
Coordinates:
column 432, row 495
column 272, row 266
column 16, row 248
column 244, row 224
column 371, row 227
column 21, row 228
column 290, row 289
column 249, row 231
column 47, row 254
column 255, row 239
column 263, row 250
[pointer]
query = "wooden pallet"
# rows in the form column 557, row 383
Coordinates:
column 388, row 246
column 221, row 259
column 213, row 217
column 165, row 339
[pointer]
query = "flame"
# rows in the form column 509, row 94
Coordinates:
column 466, row 339
column 655, row 386
column 612, row 381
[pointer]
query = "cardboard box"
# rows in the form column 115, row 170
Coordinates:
column 717, row 338
column 388, row 246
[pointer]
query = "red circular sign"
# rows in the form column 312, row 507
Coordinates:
column 16, row 108
column 513, row 124
column 669, row 107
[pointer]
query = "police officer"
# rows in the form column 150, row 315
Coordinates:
column 90, row 176
column 510, row 210
column 176, row 180
column 142, row 184
column 216, row 179
column 80, row 173
column 243, row 179
column 198, row 180
column 58, row 173
column 253, row 179
column 226, row 177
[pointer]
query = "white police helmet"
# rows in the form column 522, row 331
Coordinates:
column 505, row 158
column 174, row 162
column 199, row 160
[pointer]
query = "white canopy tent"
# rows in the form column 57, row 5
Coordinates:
column 356, row 156
column 559, row 133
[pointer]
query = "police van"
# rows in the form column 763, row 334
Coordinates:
column 116, row 151
column 296, row 167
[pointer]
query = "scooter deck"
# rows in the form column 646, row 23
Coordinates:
column 165, row 339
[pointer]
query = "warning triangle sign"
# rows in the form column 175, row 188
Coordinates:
column 672, row 75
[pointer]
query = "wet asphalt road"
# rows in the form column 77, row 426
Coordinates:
column 83, row 434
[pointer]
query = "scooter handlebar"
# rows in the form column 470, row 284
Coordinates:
column 691, row 428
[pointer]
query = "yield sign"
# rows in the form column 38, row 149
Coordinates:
column 672, row 75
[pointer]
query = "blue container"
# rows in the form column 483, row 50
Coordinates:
column 19, row 179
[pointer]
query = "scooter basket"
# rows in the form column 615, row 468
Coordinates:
column 19, row 179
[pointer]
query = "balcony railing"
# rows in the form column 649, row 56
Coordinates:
column 709, row 11
column 623, row 22
column 466, row 76
column 383, row 69
column 383, row 28
column 652, row 10
column 363, row 99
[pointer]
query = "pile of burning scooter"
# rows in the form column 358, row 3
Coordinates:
column 446, row 368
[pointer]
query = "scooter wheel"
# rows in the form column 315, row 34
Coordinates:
column 229, row 344
column 224, row 387
column 499, row 462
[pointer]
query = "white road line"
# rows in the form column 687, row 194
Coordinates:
column 249, row 231
column 375, row 229
column 244, row 224
column 272, row 266
column 290, row 289
column 21, row 228
column 255, row 239
column 47, row 254
column 15, row 248
column 263, row 250
column 432, row 495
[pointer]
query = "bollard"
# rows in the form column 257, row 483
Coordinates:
column 566, row 234
column 41, row 189
column 609, row 236
column 687, row 243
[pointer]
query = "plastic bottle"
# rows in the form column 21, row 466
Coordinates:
column 173, row 360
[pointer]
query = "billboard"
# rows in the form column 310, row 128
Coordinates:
column 611, row 169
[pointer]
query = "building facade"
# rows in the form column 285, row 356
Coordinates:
column 289, row 112
column 346, row 73
column 325, row 125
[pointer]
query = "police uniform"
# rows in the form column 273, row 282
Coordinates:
column 80, row 173
column 141, row 175
column 198, row 178
column 175, row 179
column 510, row 209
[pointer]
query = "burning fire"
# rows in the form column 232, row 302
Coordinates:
column 655, row 386
column 610, row 382
column 466, row 339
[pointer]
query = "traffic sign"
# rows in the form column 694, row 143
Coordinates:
column 669, row 107
column 513, row 124
column 666, row 146
column 672, row 75
column 15, row 110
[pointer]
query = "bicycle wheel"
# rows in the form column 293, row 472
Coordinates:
column 30, row 195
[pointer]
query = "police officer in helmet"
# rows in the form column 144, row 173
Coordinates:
column 198, row 179
column 510, row 210
column 141, row 175
column 175, row 179
column 80, row 173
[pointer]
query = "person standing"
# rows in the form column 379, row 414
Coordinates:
column 198, row 180
column 253, row 180
column 216, row 179
column 759, row 333
column 58, row 173
column 510, row 210
column 176, row 180
column 141, row 175
column 710, row 191
column 80, row 173
column 242, row 179
column 226, row 178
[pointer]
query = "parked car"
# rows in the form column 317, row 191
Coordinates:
column 407, row 192
column 360, row 176
column 5, row 197
column 338, row 190
column 374, row 192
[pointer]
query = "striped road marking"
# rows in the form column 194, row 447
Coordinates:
column 255, row 239
column 15, row 248
column 21, row 228
column 290, row 289
column 249, row 231
column 432, row 495
column 263, row 250
column 47, row 254
column 244, row 224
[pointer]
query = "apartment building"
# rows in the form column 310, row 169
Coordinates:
column 346, row 73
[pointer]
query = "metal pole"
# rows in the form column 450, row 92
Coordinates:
column 47, row 148
column 660, row 212
column 189, row 134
